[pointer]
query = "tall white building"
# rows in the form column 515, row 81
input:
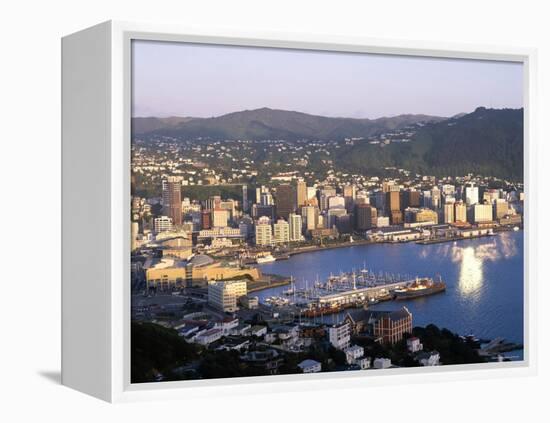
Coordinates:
column 281, row 232
column 339, row 336
column 449, row 212
column 224, row 295
column 472, row 195
column 264, row 233
column 311, row 217
column 295, row 227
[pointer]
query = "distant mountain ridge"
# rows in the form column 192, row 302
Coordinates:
column 265, row 123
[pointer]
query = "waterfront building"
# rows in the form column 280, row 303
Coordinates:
column 310, row 366
column 472, row 195
column 483, row 213
column 285, row 200
column 281, row 232
column 426, row 216
column 220, row 217
column 343, row 224
column 501, row 208
column 363, row 217
column 264, row 234
column 332, row 214
column 220, row 232
column 310, row 214
column 449, row 213
column 301, row 193
column 295, row 227
column 224, row 295
column 396, row 217
column 162, row 224
column 380, row 201
column 412, row 199
column 460, row 211
column 339, row 335
column 382, row 221
column 171, row 199
column 393, row 202
column 390, row 326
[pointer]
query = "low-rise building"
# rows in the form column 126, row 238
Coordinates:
column 223, row 295
column 310, row 366
column 353, row 353
column 382, row 363
column 414, row 345
column 208, row 336
column 428, row 358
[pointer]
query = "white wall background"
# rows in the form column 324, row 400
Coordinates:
column 30, row 206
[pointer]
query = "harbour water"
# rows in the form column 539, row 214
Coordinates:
column 484, row 280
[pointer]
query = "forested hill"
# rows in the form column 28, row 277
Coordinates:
column 487, row 141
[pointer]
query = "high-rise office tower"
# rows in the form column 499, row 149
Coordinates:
column 301, row 193
column 295, row 227
column 363, row 217
column 449, row 212
column 285, row 201
column 472, row 195
column 245, row 198
column 171, row 199
column 460, row 212
column 310, row 214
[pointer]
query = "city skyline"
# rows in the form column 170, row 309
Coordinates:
column 182, row 79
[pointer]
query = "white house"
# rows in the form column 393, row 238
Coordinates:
column 363, row 363
column 414, row 345
column 428, row 358
column 310, row 366
column 353, row 353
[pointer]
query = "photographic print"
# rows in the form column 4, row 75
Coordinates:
column 301, row 211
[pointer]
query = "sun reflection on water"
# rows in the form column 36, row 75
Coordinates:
column 471, row 272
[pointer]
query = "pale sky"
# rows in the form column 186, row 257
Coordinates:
column 181, row 79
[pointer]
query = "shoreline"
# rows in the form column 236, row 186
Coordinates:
column 315, row 248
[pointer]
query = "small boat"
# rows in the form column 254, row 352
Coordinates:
column 516, row 228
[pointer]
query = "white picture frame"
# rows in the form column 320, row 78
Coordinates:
column 96, row 88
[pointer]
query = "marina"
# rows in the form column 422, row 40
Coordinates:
column 483, row 277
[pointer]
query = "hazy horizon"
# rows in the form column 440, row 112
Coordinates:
column 193, row 80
